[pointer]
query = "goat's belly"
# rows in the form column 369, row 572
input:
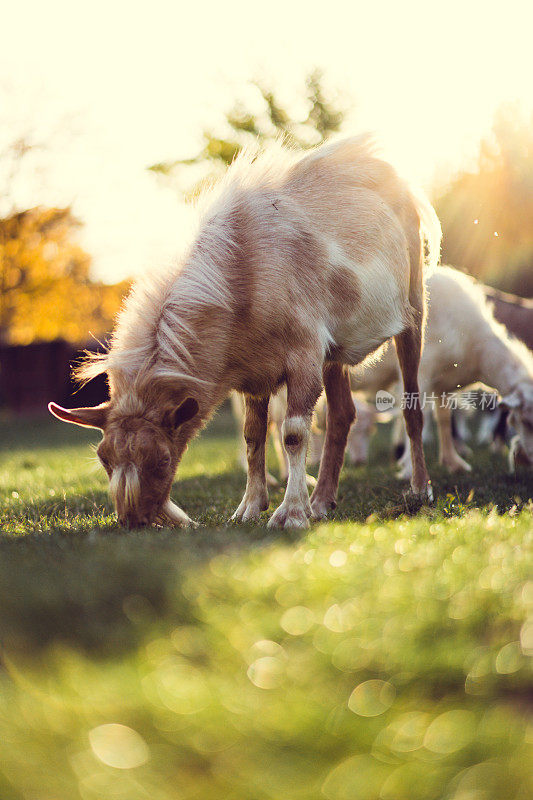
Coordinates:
column 380, row 312
column 361, row 335
column 353, row 353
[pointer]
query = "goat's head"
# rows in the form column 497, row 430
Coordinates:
column 520, row 405
column 141, row 447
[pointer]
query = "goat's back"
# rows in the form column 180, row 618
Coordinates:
column 516, row 313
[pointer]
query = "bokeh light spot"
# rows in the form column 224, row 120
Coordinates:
column 266, row 672
column 509, row 659
column 449, row 732
column 118, row 746
column 372, row 698
column 526, row 638
column 338, row 558
column 297, row 620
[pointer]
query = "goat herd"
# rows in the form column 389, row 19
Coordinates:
column 302, row 267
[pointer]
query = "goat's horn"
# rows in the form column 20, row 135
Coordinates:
column 177, row 516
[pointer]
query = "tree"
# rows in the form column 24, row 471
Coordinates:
column 323, row 115
column 45, row 289
column 487, row 214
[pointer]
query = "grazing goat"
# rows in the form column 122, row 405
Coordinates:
column 302, row 264
column 464, row 345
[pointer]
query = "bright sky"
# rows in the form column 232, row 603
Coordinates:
column 127, row 84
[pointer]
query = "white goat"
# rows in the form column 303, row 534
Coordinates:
column 464, row 346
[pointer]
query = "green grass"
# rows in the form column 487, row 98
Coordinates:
column 383, row 655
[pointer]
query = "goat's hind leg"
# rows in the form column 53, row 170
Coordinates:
column 255, row 498
column 408, row 348
column 304, row 385
column 340, row 417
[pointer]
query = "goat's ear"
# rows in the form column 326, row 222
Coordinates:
column 182, row 414
column 511, row 401
column 94, row 417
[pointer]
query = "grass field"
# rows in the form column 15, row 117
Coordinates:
column 383, row 655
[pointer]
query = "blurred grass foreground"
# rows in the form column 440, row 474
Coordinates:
column 383, row 658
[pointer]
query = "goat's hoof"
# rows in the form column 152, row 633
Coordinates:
column 404, row 469
column 457, row 465
column 422, row 495
column 320, row 508
column 290, row 515
column 403, row 474
column 250, row 509
column 251, row 513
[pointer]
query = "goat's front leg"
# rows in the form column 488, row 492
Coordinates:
column 304, row 385
column 255, row 498
column 448, row 455
column 340, row 416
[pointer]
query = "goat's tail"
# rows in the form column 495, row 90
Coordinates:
column 424, row 249
column 430, row 229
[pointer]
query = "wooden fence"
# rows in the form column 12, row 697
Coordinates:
column 32, row 375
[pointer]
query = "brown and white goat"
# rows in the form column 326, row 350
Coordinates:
column 302, row 265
